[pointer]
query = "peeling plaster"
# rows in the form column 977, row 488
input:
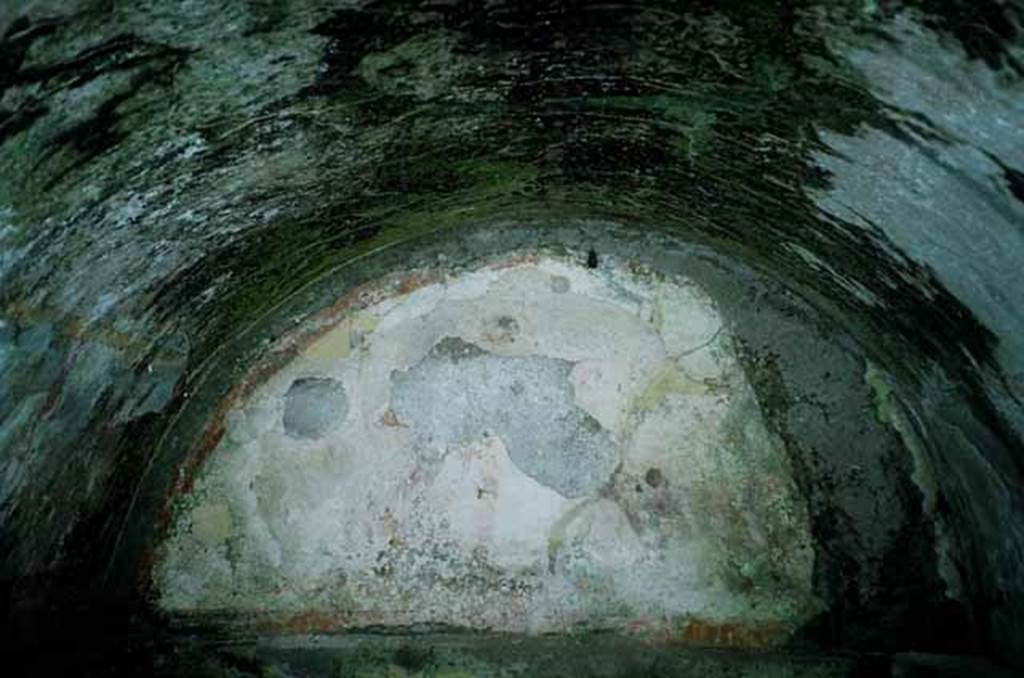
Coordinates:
column 457, row 487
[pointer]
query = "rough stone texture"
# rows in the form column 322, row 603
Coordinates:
column 951, row 206
column 183, row 183
column 485, row 656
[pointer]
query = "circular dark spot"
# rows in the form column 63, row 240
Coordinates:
column 559, row 284
column 654, row 477
column 313, row 406
column 508, row 324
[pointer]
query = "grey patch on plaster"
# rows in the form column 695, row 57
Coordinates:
column 314, row 406
column 460, row 393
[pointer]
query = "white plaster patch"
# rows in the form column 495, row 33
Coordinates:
column 488, row 502
column 523, row 447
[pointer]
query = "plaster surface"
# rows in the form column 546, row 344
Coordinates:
column 531, row 446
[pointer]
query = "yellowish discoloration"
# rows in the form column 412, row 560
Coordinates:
column 669, row 380
column 211, row 523
column 339, row 342
column 335, row 345
column 389, row 418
